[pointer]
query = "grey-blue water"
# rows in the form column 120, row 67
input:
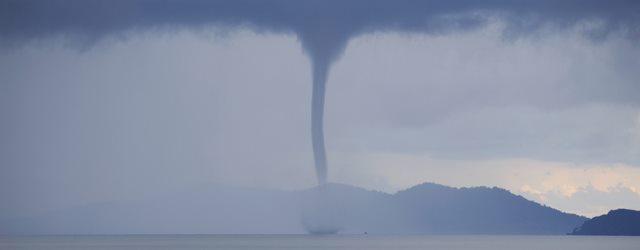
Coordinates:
column 318, row 242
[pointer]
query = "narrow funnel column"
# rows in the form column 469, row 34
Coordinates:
column 323, row 43
column 320, row 71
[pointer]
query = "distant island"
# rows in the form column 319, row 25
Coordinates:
column 619, row 222
column 332, row 208
column 436, row 209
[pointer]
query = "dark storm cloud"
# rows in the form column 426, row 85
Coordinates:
column 323, row 27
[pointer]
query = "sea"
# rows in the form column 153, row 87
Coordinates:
column 308, row 242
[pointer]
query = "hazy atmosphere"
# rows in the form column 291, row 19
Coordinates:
column 126, row 105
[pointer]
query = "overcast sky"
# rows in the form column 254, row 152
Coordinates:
column 553, row 115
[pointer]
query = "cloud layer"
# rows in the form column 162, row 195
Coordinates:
column 548, row 80
column 323, row 27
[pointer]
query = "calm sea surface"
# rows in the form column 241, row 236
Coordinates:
column 317, row 242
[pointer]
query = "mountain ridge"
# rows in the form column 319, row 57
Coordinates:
column 427, row 208
column 617, row 222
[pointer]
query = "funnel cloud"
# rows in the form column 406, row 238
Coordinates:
column 320, row 71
